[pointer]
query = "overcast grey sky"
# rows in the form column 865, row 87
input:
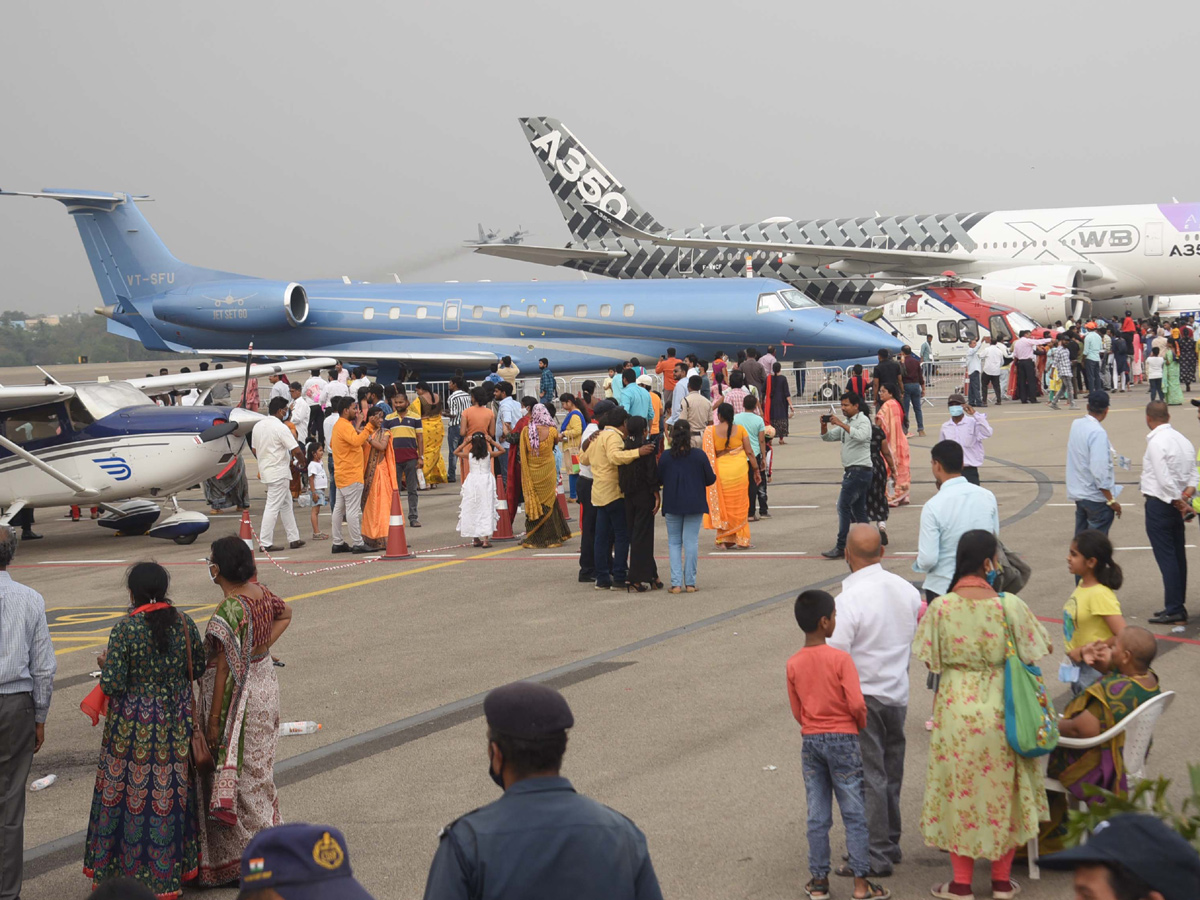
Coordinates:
column 304, row 139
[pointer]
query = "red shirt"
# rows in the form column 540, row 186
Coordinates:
column 824, row 691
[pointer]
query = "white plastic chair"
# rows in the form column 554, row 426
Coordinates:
column 1138, row 728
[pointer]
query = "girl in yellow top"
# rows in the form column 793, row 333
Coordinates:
column 1093, row 613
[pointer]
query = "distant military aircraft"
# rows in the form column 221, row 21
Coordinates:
column 492, row 236
column 104, row 442
column 434, row 328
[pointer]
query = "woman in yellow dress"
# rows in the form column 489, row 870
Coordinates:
column 544, row 522
column 728, row 449
column 435, row 436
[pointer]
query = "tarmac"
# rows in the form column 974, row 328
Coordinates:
column 682, row 719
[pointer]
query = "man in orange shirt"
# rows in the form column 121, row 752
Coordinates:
column 346, row 447
column 666, row 368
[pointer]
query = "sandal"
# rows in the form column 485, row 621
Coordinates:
column 477, row 543
column 877, row 892
column 691, row 589
column 675, row 590
column 943, row 892
column 817, row 889
column 320, row 536
column 486, row 545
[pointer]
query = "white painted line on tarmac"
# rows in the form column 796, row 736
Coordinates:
column 1186, row 546
column 75, row 562
column 759, row 552
column 557, row 555
column 777, row 506
column 434, row 555
column 1072, row 505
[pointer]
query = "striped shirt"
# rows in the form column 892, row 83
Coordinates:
column 455, row 404
column 27, row 662
column 403, row 428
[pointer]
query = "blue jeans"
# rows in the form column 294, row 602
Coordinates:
column 1091, row 374
column 1156, row 389
column 912, row 394
column 453, row 438
column 612, row 530
column 1164, row 528
column 974, row 394
column 1094, row 514
column 683, row 547
column 852, row 501
column 833, row 765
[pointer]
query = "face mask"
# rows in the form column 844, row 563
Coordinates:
column 955, row 412
column 499, row 779
column 991, row 576
column 211, row 576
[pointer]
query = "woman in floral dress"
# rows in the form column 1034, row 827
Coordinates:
column 239, row 704
column 982, row 800
column 143, row 819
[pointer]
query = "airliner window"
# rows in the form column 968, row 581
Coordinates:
column 369, row 312
column 629, row 310
column 394, row 312
column 605, row 310
column 34, row 424
column 504, row 311
column 968, row 330
column 531, row 312
column 948, row 331
column 999, row 329
column 796, row 299
column 769, row 303
column 559, row 311
column 581, row 311
column 422, row 312
column 477, row 312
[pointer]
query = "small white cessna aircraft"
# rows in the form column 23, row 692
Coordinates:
column 103, row 442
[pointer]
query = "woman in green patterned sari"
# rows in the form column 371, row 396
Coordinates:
column 239, row 704
column 1129, row 683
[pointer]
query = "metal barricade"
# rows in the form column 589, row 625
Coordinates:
column 944, row 379
column 817, row 386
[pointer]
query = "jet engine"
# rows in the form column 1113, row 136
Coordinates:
column 249, row 305
column 1044, row 293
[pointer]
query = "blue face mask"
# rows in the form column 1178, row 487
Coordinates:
column 956, row 411
column 992, row 576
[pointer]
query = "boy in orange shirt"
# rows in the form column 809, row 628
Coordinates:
column 828, row 703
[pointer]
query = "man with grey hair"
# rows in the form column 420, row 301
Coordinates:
column 876, row 622
column 27, row 668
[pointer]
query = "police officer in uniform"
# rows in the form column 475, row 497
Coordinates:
column 541, row 839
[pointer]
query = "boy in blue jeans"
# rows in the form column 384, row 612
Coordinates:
column 828, row 703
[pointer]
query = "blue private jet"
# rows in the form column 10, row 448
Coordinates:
column 400, row 329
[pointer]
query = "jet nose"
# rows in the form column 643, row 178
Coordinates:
column 839, row 335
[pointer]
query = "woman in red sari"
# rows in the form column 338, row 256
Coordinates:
column 890, row 417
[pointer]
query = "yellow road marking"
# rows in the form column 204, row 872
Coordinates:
column 322, row 591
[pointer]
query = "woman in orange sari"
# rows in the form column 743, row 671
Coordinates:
column 728, row 449
column 890, row 417
column 379, row 482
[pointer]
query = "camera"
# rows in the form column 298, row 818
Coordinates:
column 825, row 420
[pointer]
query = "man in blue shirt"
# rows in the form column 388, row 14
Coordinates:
column 541, row 838
column 508, row 413
column 633, row 399
column 1090, row 481
column 546, row 391
column 1093, row 344
column 956, row 508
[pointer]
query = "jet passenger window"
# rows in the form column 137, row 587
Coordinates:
column 629, row 310
column 394, row 312
column 948, row 331
column 559, row 311
column 477, row 312
column 531, row 312
column 34, row 424
column 605, row 310
column 422, row 312
column 369, row 312
column 581, row 311
column 504, row 311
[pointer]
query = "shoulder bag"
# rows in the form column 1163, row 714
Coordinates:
column 202, row 758
column 1030, row 723
column 1014, row 571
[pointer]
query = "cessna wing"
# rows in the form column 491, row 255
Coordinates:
column 916, row 262
column 26, row 395
column 159, row 383
column 549, row 256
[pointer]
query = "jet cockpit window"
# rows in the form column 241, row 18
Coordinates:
column 23, row 426
column 770, row 303
column 948, row 331
column 968, row 330
column 796, row 299
column 999, row 328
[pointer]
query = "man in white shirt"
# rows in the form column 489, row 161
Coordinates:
column 993, row 357
column 876, row 623
column 279, row 388
column 360, row 381
column 298, row 410
column 334, row 388
column 273, row 445
column 312, row 395
column 331, row 417
column 1168, row 485
column 974, row 373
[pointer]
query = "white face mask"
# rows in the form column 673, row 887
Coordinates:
column 211, row 576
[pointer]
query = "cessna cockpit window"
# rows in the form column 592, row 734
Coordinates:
column 37, row 423
column 78, row 414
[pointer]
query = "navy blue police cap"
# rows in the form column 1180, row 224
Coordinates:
column 300, row 862
column 527, row 710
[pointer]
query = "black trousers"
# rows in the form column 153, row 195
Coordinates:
column 758, row 492
column 992, row 381
column 971, row 473
column 639, row 517
column 1027, row 387
column 587, row 535
column 16, row 758
column 316, row 424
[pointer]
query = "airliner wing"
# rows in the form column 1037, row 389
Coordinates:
column 159, row 383
column 26, row 395
column 548, row 256
column 915, row 261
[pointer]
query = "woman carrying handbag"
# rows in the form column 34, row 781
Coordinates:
column 143, row 817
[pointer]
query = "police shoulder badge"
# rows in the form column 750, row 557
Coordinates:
column 327, row 854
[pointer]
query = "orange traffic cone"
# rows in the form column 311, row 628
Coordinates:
column 504, row 530
column 246, row 532
column 397, row 545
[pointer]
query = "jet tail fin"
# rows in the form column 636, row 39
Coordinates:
column 577, row 178
column 129, row 261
